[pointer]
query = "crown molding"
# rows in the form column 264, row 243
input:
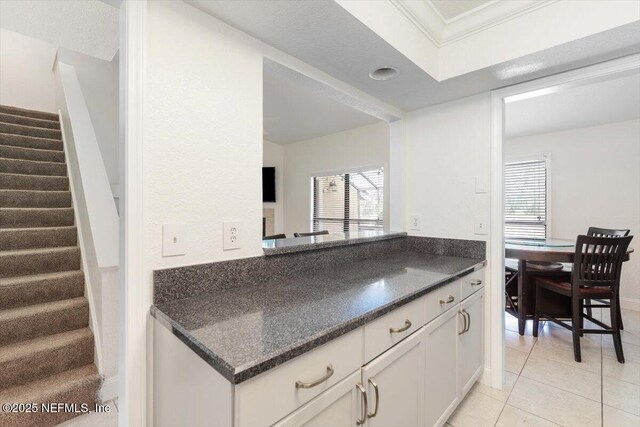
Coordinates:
column 426, row 17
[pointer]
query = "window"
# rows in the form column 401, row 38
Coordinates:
column 525, row 199
column 349, row 202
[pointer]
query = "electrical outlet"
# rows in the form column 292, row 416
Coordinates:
column 232, row 235
column 415, row 222
column 174, row 239
column 482, row 226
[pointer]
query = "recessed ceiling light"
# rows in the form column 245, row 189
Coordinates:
column 384, row 73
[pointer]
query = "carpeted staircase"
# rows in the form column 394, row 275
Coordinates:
column 46, row 346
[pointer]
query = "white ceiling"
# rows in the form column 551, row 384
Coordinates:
column 326, row 36
column 595, row 104
column 296, row 108
column 450, row 9
column 86, row 26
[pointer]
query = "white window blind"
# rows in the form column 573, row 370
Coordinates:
column 349, row 202
column 525, row 199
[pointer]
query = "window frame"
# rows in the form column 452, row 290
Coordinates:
column 343, row 171
column 546, row 158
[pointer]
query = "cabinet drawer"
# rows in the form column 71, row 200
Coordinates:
column 267, row 398
column 405, row 320
column 471, row 283
column 441, row 300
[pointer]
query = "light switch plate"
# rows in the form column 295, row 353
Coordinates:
column 481, row 226
column 232, row 235
column 174, row 239
column 415, row 222
column 482, row 184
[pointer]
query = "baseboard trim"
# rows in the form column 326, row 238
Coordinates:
column 630, row 303
column 109, row 389
column 485, row 376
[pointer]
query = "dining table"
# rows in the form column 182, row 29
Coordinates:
column 541, row 257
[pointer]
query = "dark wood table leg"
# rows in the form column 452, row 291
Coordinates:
column 522, row 311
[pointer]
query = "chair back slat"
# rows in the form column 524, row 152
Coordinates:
column 598, row 261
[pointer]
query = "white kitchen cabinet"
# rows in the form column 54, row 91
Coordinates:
column 441, row 354
column 470, row 346
column 340, row 406
column 398, row 375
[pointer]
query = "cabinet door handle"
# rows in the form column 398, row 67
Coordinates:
column 300, row 384
column 469, row 320
column 375, row 388
column 448, row 300
column 407, row 325
column 476, row 283
column 464, row 327
column 365, row 408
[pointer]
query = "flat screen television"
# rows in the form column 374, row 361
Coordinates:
column 269, row 184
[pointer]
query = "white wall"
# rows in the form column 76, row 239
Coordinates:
column 585, row 164
column 99, row 83
column 273, row 155
column 338, row 152
column 26, row 72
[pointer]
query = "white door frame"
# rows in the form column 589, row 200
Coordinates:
column 133, row 313
column 611, row 69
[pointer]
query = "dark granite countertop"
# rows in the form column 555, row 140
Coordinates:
column 308, row 243
column 246, row 330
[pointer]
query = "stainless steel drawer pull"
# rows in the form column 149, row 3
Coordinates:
column 448, row 300
column 468, row 320
column 365, row 405
column 476, row 283
column 300, row 384
column 407, row 325
column 375, row 388
column 464, row 326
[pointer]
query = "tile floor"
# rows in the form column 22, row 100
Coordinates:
column 93, row 419
column 546, row 387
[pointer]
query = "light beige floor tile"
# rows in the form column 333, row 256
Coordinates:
column 627, row 338
column 628, row 371
column 94, row 419
column 519, row 342
column 621, row 395
column 553, row 404
column 512, row 416
column 569, row 378
column 476, row 410
column 557, row 345
column 502, row 395
column 514, row 360
column 511, row 324
column 631, row 351
column 613, row 417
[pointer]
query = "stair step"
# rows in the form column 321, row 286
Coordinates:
column 13, row 181
column 24, row 323
column 29, row 121
column 35, row 217
column 30, row 131
column 40, row 288
column 34, row 199
column 42, row 357
column 31, row 167
column 25, row 262
column 37, row 237
column 78, row 386
column 23, row 153
column 16, row 111
column 31, row 142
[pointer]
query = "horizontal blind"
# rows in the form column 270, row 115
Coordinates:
column 349, row 202
column 525, row 199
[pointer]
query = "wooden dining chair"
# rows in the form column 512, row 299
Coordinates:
column 596, row 275
column 313, row 233
column 275, row 236
column 605, row 232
